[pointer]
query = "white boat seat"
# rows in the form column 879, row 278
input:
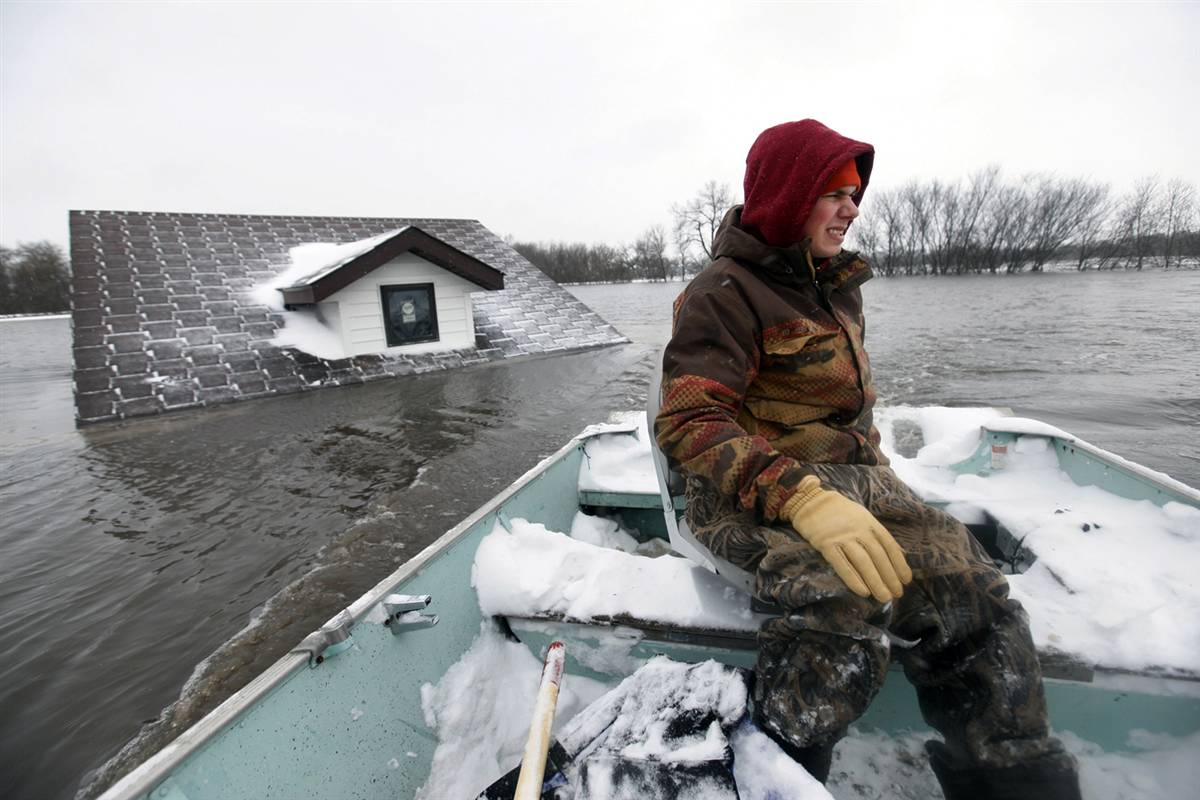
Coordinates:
column 670, row 485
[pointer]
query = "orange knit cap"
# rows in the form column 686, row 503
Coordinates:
column 847, row 175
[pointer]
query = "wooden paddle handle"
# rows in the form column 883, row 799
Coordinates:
column 533, row 762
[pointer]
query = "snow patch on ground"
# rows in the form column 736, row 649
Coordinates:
column 1159, row 767
column 869, row 765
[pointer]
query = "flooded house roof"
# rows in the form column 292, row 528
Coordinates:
column 164, row 315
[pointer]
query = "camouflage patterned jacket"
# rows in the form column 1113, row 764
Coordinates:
column 766, row 372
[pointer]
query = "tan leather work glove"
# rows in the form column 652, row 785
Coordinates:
column 860, row 549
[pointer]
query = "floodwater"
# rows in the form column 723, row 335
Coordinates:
column 133, row 554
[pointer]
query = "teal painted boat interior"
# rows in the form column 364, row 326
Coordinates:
column 353, row 727
column 346, row 727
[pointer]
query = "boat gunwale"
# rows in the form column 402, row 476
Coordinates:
column 1161, row 481
column 151, row 773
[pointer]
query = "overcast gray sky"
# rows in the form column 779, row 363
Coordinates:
column 562, row 121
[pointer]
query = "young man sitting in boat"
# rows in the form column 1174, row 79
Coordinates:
column 767, row 410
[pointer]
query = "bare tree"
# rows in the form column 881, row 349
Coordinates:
column 947, row 219
column 1057, row 209
column 685, row 262
column 1136, row 221
column 896, row 232
column 696, row 221
column 1019, row 232
column 887, row 209
column 649, row 255
column 982, row 224
column 608, row 263
column 1097, row 208
column 981, row 186
column 918, row 207
column 865, row 234
column 1178, row 214
column 575, row 262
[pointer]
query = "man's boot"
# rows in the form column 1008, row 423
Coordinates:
column 1037, row 780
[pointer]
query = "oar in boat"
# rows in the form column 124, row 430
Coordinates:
column 533, row 763
column 527, row 780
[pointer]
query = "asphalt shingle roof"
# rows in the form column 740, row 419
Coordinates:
column 163, row 320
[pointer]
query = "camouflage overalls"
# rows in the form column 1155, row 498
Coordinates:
column 973, row 664
column 766, row 381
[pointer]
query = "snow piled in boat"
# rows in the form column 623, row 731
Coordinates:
column 531, row 571
column 1116, row 582
column 664, row 730
column 618, row 463
column 481, row 709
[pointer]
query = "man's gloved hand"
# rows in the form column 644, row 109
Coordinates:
column 861, row 551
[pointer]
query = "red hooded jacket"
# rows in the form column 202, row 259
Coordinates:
column 766, row 372
column 786, row 169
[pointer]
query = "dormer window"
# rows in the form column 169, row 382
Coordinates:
column 409, row 314
column 403, row 292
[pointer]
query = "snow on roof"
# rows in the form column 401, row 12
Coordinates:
column 311, row 262
column 305, row 328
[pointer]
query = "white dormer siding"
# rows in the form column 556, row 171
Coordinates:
column 357, row 310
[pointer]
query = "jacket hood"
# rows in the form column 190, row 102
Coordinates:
column 786, row 168
column 790, row 264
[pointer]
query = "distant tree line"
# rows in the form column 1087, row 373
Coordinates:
column 655, row 256
column 987, row 224
column 34, row 279
column 576, row 262
column 981, row 224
